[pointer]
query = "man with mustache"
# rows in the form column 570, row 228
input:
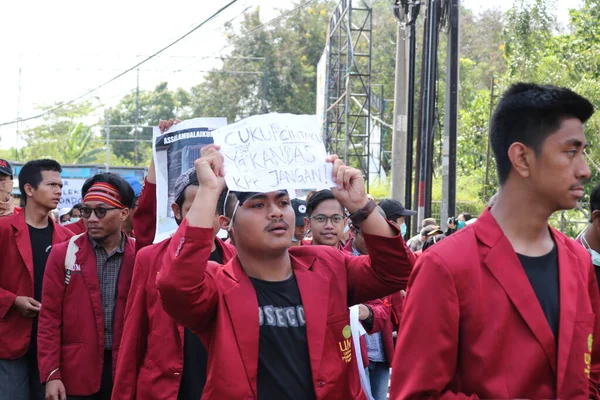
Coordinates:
column 508, row 307
column 275, row 319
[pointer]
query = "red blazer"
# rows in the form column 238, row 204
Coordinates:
column 71, row 324
column 77, row 227
column 219, row 303
column 144, row 218
column 151, row 355
column 473, row 327
column 16, row 279
column 382, row 321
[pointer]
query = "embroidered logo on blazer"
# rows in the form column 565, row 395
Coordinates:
column 345, row 345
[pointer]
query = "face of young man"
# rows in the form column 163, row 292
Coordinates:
column 300, row 232
column 325, row 224
column 48, row 192
column 558, row 172
column 101, row 227
column 264, row 223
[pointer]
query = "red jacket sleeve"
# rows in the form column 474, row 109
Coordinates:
column 50, row 318
column 384, row 271
column 429, row 331
column 187, row 289
column 595, row 301
column 144, row 218
column 135, row 331
column 7, row 299
column 381, row 314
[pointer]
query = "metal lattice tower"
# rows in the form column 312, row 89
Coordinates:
column 349, row 100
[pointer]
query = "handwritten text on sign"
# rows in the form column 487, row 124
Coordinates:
column 274, row 151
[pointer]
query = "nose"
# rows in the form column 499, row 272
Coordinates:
column 93, row 217
column 584, row 172
column 329, row 224
column 275, row 212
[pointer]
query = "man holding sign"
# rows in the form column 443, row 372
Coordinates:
column 298, row 345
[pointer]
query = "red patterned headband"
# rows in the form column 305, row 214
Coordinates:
column 104, row 192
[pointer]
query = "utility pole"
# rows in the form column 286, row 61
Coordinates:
column 448, row 207
column 399, row 141
column 137, row 116
column 107, row 132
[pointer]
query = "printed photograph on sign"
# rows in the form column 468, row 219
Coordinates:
column 269, row 152
column 175, row 152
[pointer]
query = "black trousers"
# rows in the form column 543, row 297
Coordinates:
column 106, row 384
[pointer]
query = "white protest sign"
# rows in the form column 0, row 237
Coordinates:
column 71, row 192
column 270, row 152
column 174, row 153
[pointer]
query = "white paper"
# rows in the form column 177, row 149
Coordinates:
column 71, row 192
column 174, row 153
column 357, row 331
column 264, row 153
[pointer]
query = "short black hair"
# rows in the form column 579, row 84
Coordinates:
column 221, row 203
column 76, row 207
column 594, row 200
column 466, row 216
column 125, row 191
column 31, row 173
column 433, row 240
column 317, row 198
column 528, row 113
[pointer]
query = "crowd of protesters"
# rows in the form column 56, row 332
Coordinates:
column 497, row 306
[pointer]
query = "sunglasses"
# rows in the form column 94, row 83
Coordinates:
column 100, row 212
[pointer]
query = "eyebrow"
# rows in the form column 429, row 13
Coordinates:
column 263, row 196
column 577, row 143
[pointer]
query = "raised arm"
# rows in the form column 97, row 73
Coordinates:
column 188, row 291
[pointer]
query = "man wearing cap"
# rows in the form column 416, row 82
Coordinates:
column 299, row 207
column 137, row 189
column 416, row 242
column 276, row 318
column 6, row 185
column 86, row 284
column 395, row 211
column 160, row 359
column 26, row 239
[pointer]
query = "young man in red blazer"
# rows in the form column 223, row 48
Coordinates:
column 160, row 359
column 85, row 290
column 26, row 240
column 275, row 319
column 508, row 307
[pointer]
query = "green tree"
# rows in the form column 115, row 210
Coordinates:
column 134, row 146
column 80, row 146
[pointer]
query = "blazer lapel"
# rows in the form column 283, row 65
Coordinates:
column 504, row 264
column 243, row 310
column 314, row 292
column 567, row 276
column 24, row 243
column 86, row 258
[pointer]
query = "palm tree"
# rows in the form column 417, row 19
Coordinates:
column 80, row 146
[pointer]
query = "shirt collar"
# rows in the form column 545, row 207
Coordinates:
column 120, row 249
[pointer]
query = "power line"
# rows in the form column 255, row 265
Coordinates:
column 61, row 105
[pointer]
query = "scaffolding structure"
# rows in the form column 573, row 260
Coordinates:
column 350, row 105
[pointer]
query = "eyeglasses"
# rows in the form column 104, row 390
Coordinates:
column 322, row 219
column 100, row 212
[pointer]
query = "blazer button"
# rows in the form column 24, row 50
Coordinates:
column 320, row 384
column 176, row 374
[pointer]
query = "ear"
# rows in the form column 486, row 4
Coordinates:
column 307, row 222
column 124, row 214
column 596, row 216
column 176, row 211
column 521, row 158
column 29, row 190
column 224, row 222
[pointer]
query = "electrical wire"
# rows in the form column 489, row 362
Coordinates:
column 61, row 105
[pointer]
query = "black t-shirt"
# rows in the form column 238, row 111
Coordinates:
column 195, row 357
column 283, row 360
column 543, row 276
column 41, row 243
